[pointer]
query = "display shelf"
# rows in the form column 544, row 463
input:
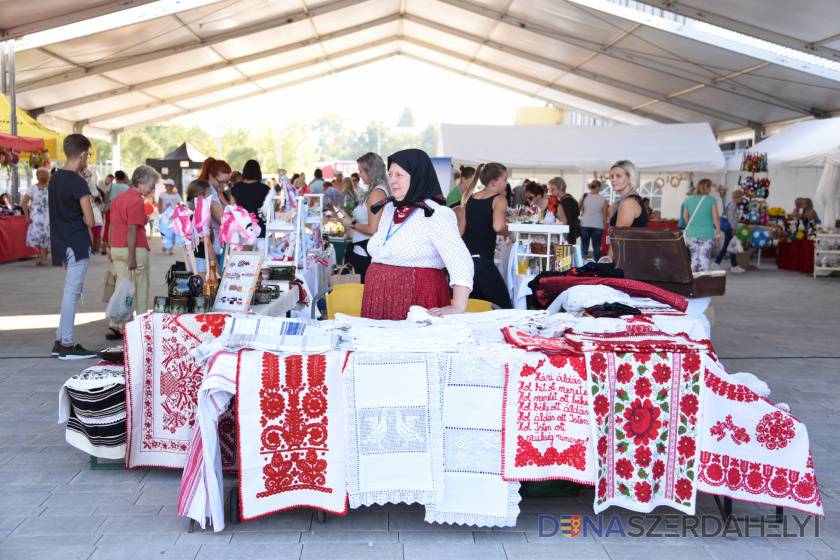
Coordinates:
column 526, row 233
column 835, row 260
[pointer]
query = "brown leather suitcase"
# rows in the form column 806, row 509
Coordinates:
column 660, row 258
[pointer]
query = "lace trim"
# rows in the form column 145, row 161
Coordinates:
column 480, row 520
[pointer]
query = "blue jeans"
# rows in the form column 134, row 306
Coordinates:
column 76, row 270
column 727, row 237
column 595, row 234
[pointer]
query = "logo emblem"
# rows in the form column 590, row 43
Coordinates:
column 570, row 525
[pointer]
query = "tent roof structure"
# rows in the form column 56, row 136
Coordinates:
column 598, row 57
column 803, row 144
column 554, row 149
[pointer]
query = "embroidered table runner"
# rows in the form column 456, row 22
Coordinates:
column 474, row 492
column 394, row 428
column 546, row 421
column 644, row 418
column 162, row 381
column 213, row 446
column 753, row 450
column 291, row 433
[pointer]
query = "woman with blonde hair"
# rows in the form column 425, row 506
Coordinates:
column 482, row 219
column 364, row 222
column 702, row 225
column 628, row 210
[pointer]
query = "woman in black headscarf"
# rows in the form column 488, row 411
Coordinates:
column 417, row 237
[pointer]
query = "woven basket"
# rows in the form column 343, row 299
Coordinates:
column 538, row 248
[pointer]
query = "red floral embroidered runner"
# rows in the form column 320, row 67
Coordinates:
column 546, row 434
column 162, row 381
column 753, row 450
column 644, row 418
column 290, row 411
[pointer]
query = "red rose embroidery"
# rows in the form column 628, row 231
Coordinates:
column 598, row 363
column 658, row 469
column 642, row 456
column 774, row 430
column 686, row 446
column 779, row 485
column 689, row 404
column 601, row 406
column 642, row 491
column 691, row 362
column 661, row 373
column 714, row 472
column 624, row 373
column 733, row 477
column 642, row 387
column 602, row 446
column 624, row 468
column 314, row 405
column 642, row 421
column 212, row 323
column 805, row 489
column 642, row 358
column 684, row 489
column 602, row 488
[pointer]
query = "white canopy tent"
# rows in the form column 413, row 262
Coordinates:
column 557, row 149
column 814, row 144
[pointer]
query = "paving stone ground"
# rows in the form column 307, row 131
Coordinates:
column 780, row 325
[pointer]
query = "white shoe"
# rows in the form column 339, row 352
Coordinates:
column 715, row 266
column 737, row 269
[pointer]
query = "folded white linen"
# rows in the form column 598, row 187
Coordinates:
column 437, row 338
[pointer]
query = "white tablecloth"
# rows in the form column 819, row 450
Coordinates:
column 287, row 301
column 517, row 283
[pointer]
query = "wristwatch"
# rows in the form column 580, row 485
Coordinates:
column 353, row 224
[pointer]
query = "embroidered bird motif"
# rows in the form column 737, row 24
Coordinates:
column 406, row 428
column 378, row 429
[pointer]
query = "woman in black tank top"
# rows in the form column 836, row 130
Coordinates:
column 628, row 211
column 482, row 219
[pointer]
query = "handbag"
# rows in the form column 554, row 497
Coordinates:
column 725, row 226
column 691, row 219
column 342, row 276
column 110, row 283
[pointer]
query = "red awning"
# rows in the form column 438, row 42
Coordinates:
column 21, row 143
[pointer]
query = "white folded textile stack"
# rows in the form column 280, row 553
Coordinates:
column 486, row 327
column 437, row 338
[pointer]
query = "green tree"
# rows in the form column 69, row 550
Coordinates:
column 135, row 147
column 299, row 148
column 407, row 118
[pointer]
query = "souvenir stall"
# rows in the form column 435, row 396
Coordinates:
column 13, row 224
column 334, row 415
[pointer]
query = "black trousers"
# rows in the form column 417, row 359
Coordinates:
column 360, row 263
column 488, row 283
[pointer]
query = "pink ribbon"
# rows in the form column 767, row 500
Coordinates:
column 231, row 225
column 201, row 217
column 182, row 219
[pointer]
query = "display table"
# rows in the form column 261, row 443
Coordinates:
column 796, row 255
column 287, row 301
column 13, row 239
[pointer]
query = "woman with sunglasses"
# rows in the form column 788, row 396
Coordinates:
column 544, row 205
column 216, row 172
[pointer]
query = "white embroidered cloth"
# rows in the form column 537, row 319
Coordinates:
column 394, row 428
column 474, row 492
column 162, row 381
column 436, row 338
column 752, row 450
column 268, row 334
column 201, row 493
column 291, row 433
column 546, row 419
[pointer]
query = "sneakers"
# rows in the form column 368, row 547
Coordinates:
column 715, row 266
column 76, row 352
column 56, row 347
column 737, row 269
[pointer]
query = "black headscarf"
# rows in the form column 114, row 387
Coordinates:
column 424, row 182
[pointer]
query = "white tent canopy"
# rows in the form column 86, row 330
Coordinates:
column 554, row 149
column 803, row 144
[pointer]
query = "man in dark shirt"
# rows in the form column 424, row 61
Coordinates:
column 71, row 216
column 557, row 188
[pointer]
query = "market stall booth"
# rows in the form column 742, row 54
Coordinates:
column 13, row 228
column 665, row 151
column 170, row 166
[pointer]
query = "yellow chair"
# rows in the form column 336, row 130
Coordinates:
column 478, row 305
column 345, row 298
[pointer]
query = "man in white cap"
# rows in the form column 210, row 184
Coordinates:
column 168, row 199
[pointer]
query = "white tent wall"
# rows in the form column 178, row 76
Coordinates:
column 786, row 184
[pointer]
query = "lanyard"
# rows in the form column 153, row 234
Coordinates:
column 619, row 203
column 389, row 235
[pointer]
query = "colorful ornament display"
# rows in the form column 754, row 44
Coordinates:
column 755, row 163
column 743, row 234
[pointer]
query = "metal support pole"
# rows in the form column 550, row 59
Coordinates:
column 10, row 48
column 115, row 151
column 3, row 67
